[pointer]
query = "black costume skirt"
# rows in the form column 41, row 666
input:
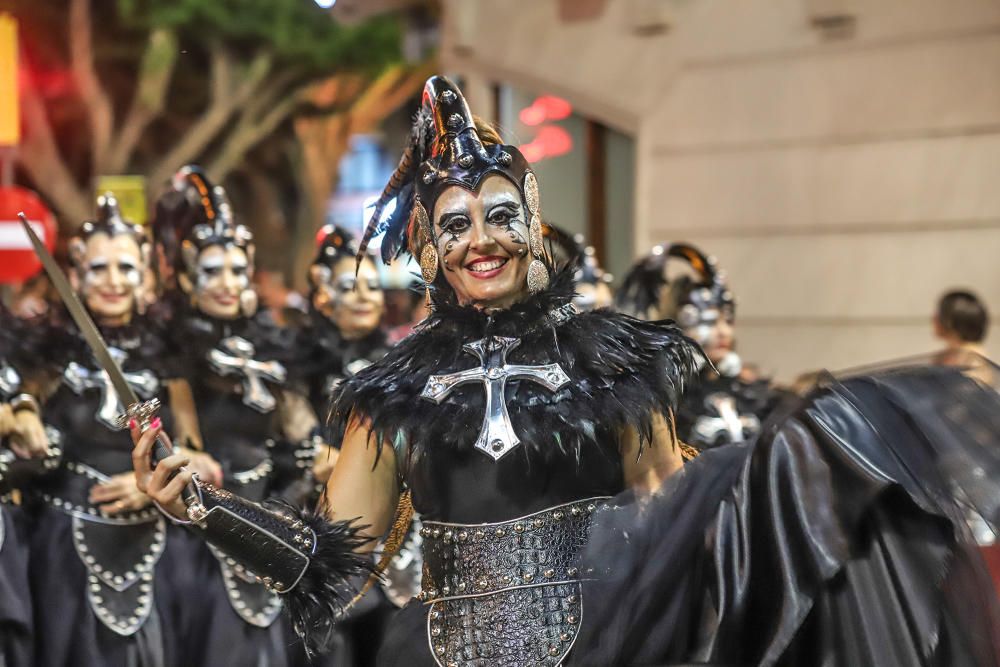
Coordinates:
column 16, row 635
column 835, row 540
column 67, row 630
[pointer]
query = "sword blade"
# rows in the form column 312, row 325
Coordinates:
column 79, row 314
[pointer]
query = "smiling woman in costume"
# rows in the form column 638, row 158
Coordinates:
column 99, row 551
column 513, row 419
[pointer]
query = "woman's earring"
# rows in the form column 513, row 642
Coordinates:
column 429, row 255
column 538, row 273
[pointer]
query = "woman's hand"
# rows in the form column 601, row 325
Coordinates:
column 28, row 438
column 119, row 494
column 7, row 423
column 204, row 465
column 157, row 483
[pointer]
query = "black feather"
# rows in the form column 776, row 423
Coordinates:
column 317, row 602
column 623, row 371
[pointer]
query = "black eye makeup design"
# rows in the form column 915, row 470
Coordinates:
column 503, row 214
column 454, row 223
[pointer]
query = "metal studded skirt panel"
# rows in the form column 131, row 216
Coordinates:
column 506, row 594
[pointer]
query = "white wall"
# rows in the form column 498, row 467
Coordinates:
column 843, row 183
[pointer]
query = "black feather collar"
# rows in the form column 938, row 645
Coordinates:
column 622, row 371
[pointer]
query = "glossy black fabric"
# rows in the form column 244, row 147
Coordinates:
column 834, row 540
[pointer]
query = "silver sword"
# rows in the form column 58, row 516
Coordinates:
column 141, row 411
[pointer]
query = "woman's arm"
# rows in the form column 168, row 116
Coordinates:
column 363, row 486
column 660, row 458
column 364, row 483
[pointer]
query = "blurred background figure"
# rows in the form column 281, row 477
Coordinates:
column 961, row 323
column 593, row 283
column 729, row 400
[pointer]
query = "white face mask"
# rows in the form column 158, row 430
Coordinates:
column 111, row 274
column 222, row 275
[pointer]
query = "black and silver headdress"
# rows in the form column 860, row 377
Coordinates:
column 690, row 296
column 333, row 245
column 193, row 215
column 446, row 149
column 109, row 221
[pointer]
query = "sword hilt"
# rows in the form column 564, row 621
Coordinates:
column 143, row 413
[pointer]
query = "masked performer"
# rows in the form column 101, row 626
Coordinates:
column 97, row 545
column 248, row 417
column 512, row 418
column 727, row 404
column 341, row 337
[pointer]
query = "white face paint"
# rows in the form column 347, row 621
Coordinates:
column 355, row 304
column 482, row 242
column 111, row 274
column 221, row 276
column 710, row 328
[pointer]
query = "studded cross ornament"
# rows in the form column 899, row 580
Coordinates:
column 234, row 356
column 497, row 436
column 729, row 425
column 80, row 378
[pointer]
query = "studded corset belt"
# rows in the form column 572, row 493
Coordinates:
column 506, row 594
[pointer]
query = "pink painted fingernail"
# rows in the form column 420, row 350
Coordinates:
column 155, row 423
column 131, row 423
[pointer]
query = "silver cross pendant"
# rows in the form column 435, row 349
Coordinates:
column 79, row 378
column 497, row 437
column 234, row 357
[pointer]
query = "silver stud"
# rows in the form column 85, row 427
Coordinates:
column 518, row 527
column 558, row 516
column 465, row 161
column 548, row 574
column 505, row 158
column 573, row 571
column 455, row 121
column 435, row 631
column 571, row 619
column 554, row 650
column 429, row 177
column 538, row 523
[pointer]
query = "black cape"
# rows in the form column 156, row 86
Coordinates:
column 838, row 538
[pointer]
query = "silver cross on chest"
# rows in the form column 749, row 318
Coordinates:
column 80, row 378
column 234, row 356
column 497, row 436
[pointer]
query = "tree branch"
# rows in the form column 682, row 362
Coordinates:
column 255, row 124
column 155, row 72
column 39, row 156
column 95, row 99
column 227, row 97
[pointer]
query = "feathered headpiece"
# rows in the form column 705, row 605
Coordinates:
column 109, row 221
column 641, row 287
column 445, row 149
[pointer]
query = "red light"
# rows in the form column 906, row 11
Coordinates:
column 545, row 108
column 550, row 141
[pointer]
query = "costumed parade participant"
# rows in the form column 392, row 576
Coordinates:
column 726, row 404
column 99, row 582
column 517, row 423
column 593, row 283
column 341, row 337
column 251, row 424
column 27, row 449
